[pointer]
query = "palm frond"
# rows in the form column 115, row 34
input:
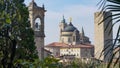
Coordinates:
column 106, row 48
column 114, row 1
column 118, row 58
column 111, row 60
column 105, row 19
column 102, row 4
column 115, row 22
column 112, row 6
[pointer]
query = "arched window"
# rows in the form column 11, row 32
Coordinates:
column 37, row 24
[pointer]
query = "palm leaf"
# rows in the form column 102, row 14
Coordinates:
column 114, row 1
column 102, row 3
column 113, row 47
column 114, row 7
column 107, row 42
column 118, row 58
column 99, row 22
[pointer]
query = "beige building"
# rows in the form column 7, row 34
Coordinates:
column 55, row 48
column 72, row 43
column 103, row 36
column 78, row 51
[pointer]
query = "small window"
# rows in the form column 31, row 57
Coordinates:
column 73, row 38
column 69, row 40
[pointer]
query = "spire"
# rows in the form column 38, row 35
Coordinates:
column 63, row 17
column 32, row 3
column 83, row 32
column 63, row 20
column 82, row 35
column 32, row 0
column 43, row 6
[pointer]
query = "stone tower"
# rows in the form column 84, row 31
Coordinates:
column 103, row 36
column 36, row 17
column 62, row 26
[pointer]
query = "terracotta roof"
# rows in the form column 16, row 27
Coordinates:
column 56, row 44
column 79, row 46
column 63, row 45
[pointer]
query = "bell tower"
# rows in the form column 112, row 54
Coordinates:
column 36, row 17
column 62, row 26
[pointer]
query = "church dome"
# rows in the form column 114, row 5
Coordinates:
column 69, row 28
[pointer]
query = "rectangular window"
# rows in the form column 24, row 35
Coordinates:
column 73, row 38
column 69, row 40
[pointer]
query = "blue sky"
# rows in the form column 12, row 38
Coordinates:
column 81, row 11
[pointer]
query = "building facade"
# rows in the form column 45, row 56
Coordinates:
column 69, row 34
column 103, row 35
column 78, row 51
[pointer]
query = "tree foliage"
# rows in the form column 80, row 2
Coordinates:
column 51, row 62
column 16, row 36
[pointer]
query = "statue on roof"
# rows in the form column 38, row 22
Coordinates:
column 70, row 19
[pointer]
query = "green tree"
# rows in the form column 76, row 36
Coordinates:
column 50, row 62
column 114, row 7
column 17, row 45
